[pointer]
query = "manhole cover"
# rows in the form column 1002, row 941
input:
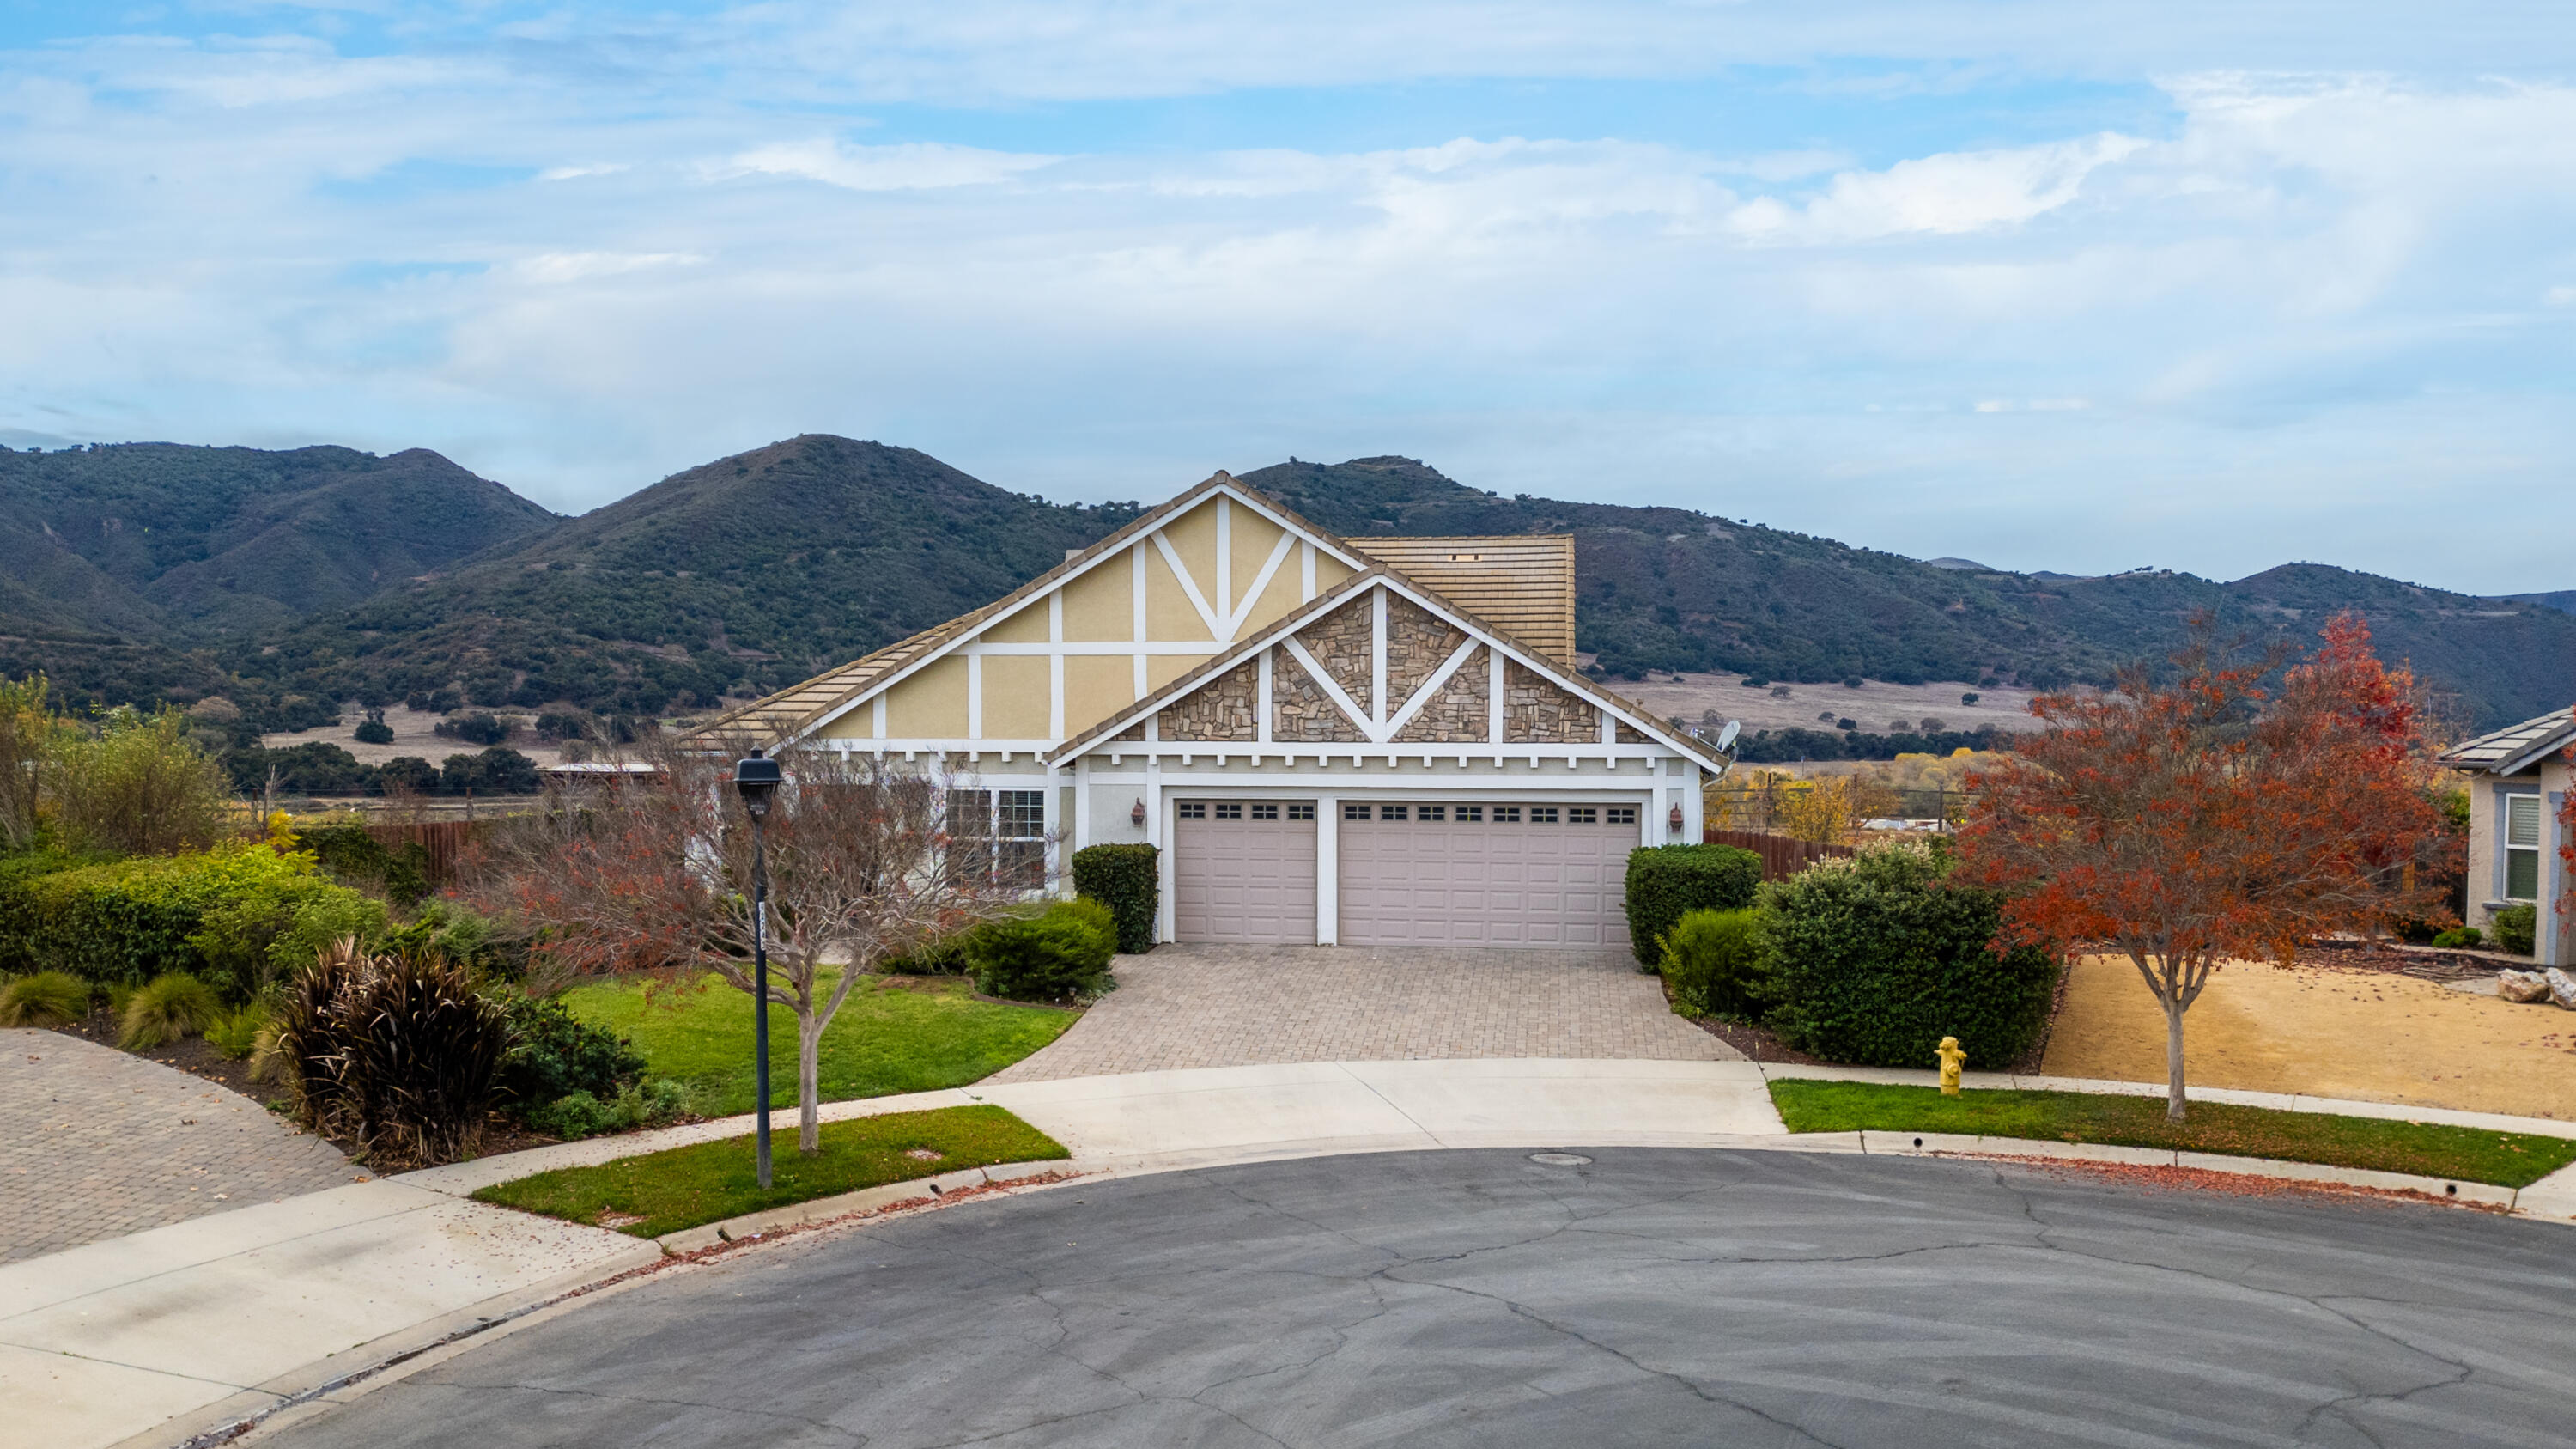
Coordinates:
column 1560, row 1159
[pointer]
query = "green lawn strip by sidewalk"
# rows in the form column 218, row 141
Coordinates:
column 2457, row 1154
column 894, row 1034
column 708, row 1182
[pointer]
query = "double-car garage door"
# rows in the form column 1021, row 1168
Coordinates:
column 1411, row 873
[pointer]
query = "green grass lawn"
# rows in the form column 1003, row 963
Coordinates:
column 2460, row 1154
column 711, row 1181
column 894, row 1034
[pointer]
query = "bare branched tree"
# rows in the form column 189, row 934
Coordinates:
column 652, row 871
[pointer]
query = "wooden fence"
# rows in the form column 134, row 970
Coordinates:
column 441, row 841
column 1782, row 855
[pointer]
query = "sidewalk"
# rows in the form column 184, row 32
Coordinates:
column 148, row 1339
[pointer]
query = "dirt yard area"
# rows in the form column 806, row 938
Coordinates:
column 2371, row 1035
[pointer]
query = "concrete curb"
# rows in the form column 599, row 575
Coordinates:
column 1939, row 1144
column 866, row 1199
column 2278, row 1101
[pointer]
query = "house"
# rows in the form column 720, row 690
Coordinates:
column 1331, row 742
column 2519, row 779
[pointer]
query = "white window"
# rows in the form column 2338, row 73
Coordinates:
column 2522, row 847
column 1005, row 827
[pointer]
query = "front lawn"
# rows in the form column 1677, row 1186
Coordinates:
column 894, row 1034
column 707, row 1182
column 2458, row 1154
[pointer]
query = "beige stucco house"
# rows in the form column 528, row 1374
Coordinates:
column 1386, row 744
column 2519, row 778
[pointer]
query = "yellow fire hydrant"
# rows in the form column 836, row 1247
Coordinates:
column 1952, row 1059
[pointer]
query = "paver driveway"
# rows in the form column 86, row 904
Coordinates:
column 97, row 1144
column 1234, row 1006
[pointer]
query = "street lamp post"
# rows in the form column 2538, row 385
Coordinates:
column 755, row 777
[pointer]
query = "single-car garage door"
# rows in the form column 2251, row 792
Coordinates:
column 1244, row 870
column 1485, row 874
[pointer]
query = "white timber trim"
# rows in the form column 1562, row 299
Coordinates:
column 974, row 696
column 1328, row 869
column 1494, row 701
column 1235, row 494
column 877, row 723
column 1261, row 720
column 1190, row 587
column 1438, row 681
column 1377, row 663
column 1242, row 614
column 1224, row 561
column 1055, row 664
column 1332, row 689
column 1306, row 572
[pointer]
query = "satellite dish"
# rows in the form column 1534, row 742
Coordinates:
column 1726, row 736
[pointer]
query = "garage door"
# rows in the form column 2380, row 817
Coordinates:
column 1485, row 874
column 1244, row 870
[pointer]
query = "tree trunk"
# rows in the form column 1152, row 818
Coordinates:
column 809, row 1091
column 2173, row 1056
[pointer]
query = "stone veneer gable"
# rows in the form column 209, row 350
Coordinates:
column 1225, row 709
column 1536, row 712
column 1458, row 713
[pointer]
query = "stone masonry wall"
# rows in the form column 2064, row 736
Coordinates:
column 1417, row 644
column 1628, row 734
column 1340, row 641
column 1457, row 714
column 1300, row 711
column 1223, row 709
column 1536, row 712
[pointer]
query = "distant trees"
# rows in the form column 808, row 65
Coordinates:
column 2187, row 819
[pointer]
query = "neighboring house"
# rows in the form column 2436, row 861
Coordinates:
column 2518, row 784
column 1383, row 742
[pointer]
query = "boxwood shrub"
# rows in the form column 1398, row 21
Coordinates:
column 2517, row 929
column 1666, row 881
column 1874, row 959
column 1126, row 879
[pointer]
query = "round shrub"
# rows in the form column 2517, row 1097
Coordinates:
column 2458, row 937
column 1060, row 954
column 1667, row 881
column 1715, row 963
column 2516, row 929
column 1875, row 958
column 554, row 1054
column 1127, row 879
column 48, row 998
column 165, row 1009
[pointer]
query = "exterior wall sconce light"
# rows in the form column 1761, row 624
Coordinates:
column 1675, row 818
column 1138, row 814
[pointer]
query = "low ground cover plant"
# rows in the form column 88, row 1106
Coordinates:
column 706, row 1182
column 1665, row 882
column 894, row 1034
column 2459, row 1154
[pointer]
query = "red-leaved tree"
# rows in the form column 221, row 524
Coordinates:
column 2188, row 820
column 652, row 872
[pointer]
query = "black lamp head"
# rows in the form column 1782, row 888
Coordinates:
column 755, row 776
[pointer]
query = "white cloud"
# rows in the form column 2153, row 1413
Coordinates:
column 1949, row 193
column 912, row 167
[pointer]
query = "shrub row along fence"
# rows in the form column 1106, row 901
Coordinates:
column 1782, row 855
column 442, row 843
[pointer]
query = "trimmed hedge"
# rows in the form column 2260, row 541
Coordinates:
column 237, row 916
column 2517, row 930
column 1666, row 881
column 1059, row 954
column 1874, row 959
column 1127, row 879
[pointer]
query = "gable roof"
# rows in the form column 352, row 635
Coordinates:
column 1634, row 716
column 1521, row 584
column 801, row 707
column 2515, row 748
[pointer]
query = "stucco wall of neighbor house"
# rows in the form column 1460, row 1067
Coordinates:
column 2557, row 936
column 2555, row 939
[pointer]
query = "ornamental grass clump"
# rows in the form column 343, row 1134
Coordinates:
column 48, row 998
column 171, row 1005
column 394, row 1053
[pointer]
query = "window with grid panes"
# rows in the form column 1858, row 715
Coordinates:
column 1542, row 815
column 2522, row 847
column 1265, row 812
column 1305, row 811
column 1580, row 815
column 1623, row 814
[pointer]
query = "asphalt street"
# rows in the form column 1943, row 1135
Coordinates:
column 1483, row 1298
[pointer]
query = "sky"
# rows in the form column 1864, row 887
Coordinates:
column 2065, row 285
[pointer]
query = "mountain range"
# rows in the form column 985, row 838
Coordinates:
column 287, row 582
